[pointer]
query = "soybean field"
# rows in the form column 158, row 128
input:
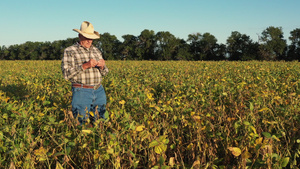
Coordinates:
column 161, row 114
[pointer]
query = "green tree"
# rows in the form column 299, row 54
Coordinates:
column 166, row 46
column 13, row 52
column 208, row 44
column 2, row 49
column 294, row 48
column 273, row 43
column 146, row 45
column 203, row 47
column 220, row 52
column 56, row 50
column 69, row 42
column 5, row 53
column 128, row 47
column 45, row 50
column 27, row 50
column 183, row 51
column 194, row 42
column 295, row 37
column 241, row 47
column 109, row 46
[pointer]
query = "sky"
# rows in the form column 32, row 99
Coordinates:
column 45, row 20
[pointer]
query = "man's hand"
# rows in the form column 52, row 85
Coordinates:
column 91, row 63
column 101, row 64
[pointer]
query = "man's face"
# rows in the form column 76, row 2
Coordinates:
column 85, row 42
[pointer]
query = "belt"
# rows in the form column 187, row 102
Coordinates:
column 95, row 87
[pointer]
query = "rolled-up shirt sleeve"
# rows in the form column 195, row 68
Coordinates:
column 68, row 66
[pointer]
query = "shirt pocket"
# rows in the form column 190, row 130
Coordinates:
column 79, row 59
column 96, row 55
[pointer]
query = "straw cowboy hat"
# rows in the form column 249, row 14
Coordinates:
column 87, row 30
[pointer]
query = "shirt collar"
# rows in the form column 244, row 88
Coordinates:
column 78, row 45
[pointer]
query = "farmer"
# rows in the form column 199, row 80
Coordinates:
column 84, row 66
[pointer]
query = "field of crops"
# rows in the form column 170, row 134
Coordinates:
column 161, row 115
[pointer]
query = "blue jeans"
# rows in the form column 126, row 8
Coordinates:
column 88, row 100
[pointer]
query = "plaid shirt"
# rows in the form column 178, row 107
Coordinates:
column 74, row 57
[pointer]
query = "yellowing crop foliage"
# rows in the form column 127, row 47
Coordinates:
column 161, row 114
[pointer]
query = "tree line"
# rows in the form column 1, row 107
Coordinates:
column 165, row 46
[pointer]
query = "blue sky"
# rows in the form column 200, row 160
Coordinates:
column 45, row 20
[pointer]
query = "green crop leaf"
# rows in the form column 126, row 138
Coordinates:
column 4, row 116
column 106, row 115
column 251, row 106
column 285, row 161
column 46, row 102
column 160, row 148
column 267, row 135
column 87, row 131
column 246, row 123
column 68, row 150
column 153, row 143
column 58, row 154
column 275, row 138
column 58, row 165
column 133, row 155
column 71, row 143
column 110, row 150
column 235, row 151
column 51, row 119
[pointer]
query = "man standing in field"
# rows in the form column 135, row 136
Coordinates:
column 84, row 66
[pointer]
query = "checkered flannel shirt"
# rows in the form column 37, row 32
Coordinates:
column 74, row 57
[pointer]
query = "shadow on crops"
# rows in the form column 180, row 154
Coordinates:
column 15, row 91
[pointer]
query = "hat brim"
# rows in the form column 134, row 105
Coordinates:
column 94, row 35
